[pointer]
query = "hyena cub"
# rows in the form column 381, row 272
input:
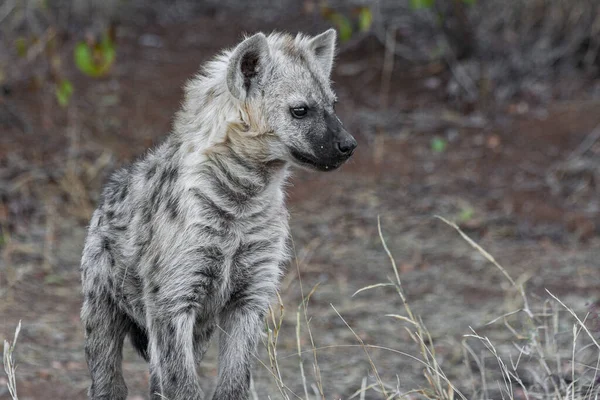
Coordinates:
column 192, row 238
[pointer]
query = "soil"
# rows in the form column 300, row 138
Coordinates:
column 506, row 176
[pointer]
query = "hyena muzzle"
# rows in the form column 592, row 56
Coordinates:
column 191, row 239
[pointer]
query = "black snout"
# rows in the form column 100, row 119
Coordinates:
column 343, row 142
column 347, row 145
column 331, row 147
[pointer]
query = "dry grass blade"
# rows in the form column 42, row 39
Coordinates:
column 477, row 247
column 9, row 364
column 388, row 252
column 363, row 389
column 299, row 346
column 377, row 285
column 402, row 318
column 579, row 321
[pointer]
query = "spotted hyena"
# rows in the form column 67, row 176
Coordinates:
column 192, row 238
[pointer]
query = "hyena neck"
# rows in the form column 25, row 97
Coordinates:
column 209, row 110
column 216, row 130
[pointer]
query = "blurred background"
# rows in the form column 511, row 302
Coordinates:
column 485, row 112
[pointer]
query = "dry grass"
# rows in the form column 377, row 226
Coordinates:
column 10, row 366
column 554, row 354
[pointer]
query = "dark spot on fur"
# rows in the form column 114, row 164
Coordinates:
column 247, row 377
column 155, row 289
column 111, row 260
column 173, row 206
column 163, row 177
column 209, row 230
column 251, row 248
column 147, row 213
column 171, row 329
column 239, row 295
column 236, row 197
column 124, row 192
column 210, row 274
column 233, row 182
column 105, row 244
column 168, row 176
column 151, row 171
column 154, row 198
column 214, row 208
column 213, row 253
column 173, row 174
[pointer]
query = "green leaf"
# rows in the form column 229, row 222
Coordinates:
column 21, row 46
column 64, row 91
column 95, row 61
column 466, row 214
column 420, row 4
column 470, row 2
column 438, row 145
column 365, row 19
column 343, row 25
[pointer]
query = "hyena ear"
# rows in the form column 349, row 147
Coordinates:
column 247, row 66
column 323, row 47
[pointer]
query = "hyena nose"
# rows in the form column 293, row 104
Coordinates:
column 346, row 146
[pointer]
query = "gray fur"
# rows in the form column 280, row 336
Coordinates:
column 193, row 236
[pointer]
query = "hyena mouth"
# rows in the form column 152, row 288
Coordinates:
column 309, row 161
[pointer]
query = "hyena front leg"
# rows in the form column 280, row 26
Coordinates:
column 105, row 329
column 237, row 344
column 173, row 373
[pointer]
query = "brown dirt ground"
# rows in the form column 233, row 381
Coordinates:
column 493, row 178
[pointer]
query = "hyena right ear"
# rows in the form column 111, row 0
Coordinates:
column 247, row 66
column 323, row 47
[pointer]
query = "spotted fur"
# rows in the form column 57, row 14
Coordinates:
column 192, row 238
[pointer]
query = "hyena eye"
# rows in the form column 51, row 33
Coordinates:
column 299, row 112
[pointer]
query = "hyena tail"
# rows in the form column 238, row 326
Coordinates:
column 139, row 340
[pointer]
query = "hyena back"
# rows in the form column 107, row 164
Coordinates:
column 193, row 236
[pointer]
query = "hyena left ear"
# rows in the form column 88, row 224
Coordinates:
column 247, row 66
column 323, row 46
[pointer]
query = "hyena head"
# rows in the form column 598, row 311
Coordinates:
column 285, row 83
